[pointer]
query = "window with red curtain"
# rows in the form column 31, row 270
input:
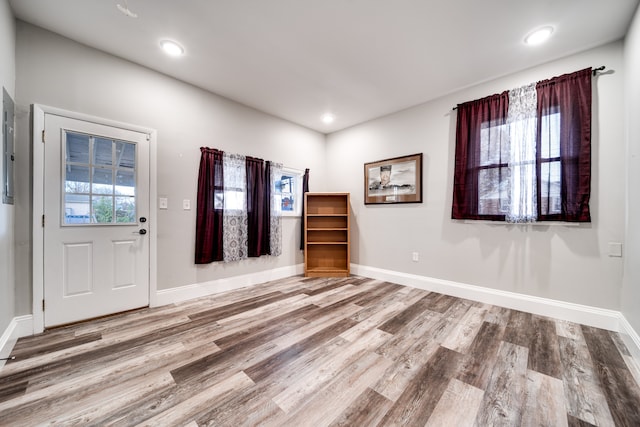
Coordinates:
column 485, row 174
column 236, row 214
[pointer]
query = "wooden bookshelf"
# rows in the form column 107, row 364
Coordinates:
column 326, row 235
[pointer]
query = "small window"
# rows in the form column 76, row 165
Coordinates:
column 7, row 147
column 99, row 180
column 288, row 192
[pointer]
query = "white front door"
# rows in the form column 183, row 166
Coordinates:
column 96, row 205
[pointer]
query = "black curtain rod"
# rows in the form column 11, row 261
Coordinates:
column 594, row 72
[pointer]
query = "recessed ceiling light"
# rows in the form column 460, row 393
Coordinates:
column 538, row 36
column 171, row 48
column 328, row 118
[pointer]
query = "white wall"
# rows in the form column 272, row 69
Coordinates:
column 559, row 262
column 7, row 80
column 631, row 290
column 58, row 72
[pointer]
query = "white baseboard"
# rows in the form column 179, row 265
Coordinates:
column 630, row 338
column 586, row 315
column 197, row 290
column 19, row 327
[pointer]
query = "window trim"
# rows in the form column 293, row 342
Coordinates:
column 8, row 148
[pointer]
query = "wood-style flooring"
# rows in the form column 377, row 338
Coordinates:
column 322, row 352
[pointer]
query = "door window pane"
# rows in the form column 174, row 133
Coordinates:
column 77, row 180
column 77, row 209
column 96, row 169
column 102, row 181
column 125, row 209
column 125, row 154
column 125, row 182
column 102, row 152
column 102, row 209
column 77, row 148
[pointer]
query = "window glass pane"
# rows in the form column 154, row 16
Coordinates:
column 102, row 151
column 125, row 182
column 218, row 199
column 494, row 144
column 102, row 181
column 285, row 191
column 493, row 191
column 523, row 140
column 287, row 203
column 550, row 190
column 125, row 154
column 125, row 209
column 77, row 209
column 285, row 184
column 234, row 200
column 77, row 148
column 103, row 209
column 76, row 179
column 550, row 136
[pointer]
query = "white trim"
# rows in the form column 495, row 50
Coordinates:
column 21, row 326
column 630, row 338
column 586, row 315
column 298, row 196
column 153, row 218
column 38, row 114
column 197, row 290
column 37, row 242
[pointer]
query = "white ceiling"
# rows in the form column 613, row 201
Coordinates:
column 359, row 59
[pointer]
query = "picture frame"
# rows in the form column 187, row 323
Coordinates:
column 395, row 180
column 288, row 192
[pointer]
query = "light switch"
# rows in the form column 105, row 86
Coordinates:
column 163, row 203
column 186, row 204
column 615, row 249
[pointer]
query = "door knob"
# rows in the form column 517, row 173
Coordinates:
column 141, row 231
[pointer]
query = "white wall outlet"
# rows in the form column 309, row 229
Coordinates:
column 186, row 204
column 415, row 257
column 163, row 203
column 615, row 249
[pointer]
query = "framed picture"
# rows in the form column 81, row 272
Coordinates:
column 397, row 180
column 288, row 191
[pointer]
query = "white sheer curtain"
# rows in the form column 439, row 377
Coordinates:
column 234, row 218
column 522, row 122
column 275, row 235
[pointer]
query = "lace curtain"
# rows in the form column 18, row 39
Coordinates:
column 234, row 224
column 522, row 122
column 275, row 243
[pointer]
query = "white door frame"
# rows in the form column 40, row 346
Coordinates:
column 38, row 112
